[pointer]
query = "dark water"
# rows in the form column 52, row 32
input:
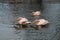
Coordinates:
column 9, row 13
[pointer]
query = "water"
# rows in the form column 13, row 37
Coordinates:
column 9, row 13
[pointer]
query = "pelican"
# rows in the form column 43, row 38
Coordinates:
column 36, row 14
column 40, row 22
column 22, row 18
column 23, row 22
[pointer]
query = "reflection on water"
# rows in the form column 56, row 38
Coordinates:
column 9, row 13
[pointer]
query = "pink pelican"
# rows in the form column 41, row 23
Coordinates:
column 40, row 22
column 22, row 18
column 23, row 21
column 36, row 14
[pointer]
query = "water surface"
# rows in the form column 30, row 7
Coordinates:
column 9, row 13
